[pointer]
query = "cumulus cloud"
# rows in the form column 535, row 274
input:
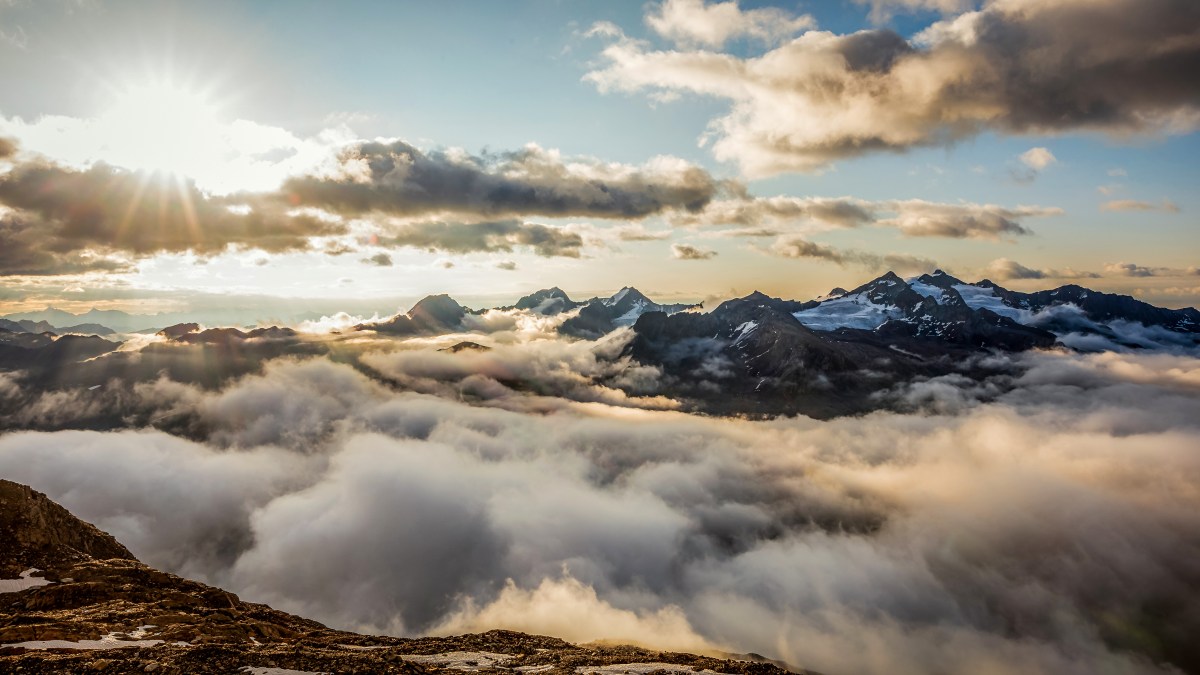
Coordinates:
column 57, row 219
column 799, row 247
column 913, row 217
column 380, row 259
column 521, row 372
column 1049, row 527
column 1037, row 158
column 488, row 236
column 568, row 609
column 1004, row 269
column 781, row 210
column 396, row 178
column 61, row 220
column 638, row 232
column 1166, row 206
column 1034, row 161
column 919, row 218
column 1126, row 269
column 697, row 22
column 689, row 252
column 1015, row 67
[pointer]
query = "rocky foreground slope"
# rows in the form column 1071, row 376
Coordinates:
column 74, row 600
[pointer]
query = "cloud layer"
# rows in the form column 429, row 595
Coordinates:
column 58, row 219
column 1049, row 529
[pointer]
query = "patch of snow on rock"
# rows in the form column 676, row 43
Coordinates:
column 639, row 669
column 467, row 661
column 631, row 317
column 986, row 298
column 926, row 290
column 25, row 581
column 848, row 311
column 255, row 670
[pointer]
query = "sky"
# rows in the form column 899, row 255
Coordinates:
column 174, row 156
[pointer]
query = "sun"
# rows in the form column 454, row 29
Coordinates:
column 165, row 127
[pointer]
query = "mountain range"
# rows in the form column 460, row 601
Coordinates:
column 756, row 355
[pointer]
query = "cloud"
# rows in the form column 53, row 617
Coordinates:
column 759, row 211
column 1004, row 269
column 488, row 236
column 799, row 247
column 1166, row 206
column 689, row 252
column 506, row 265
column 883, row 543
column 913, row 217
column 1126, row 269
column 918, row 218
column 697, row 22
column 1037, row 158
column 1129, row 270
column 62, row 220
column 1025, row 67
column 571, row 610
column 380, row 259
column 57, row 219
column 395, row 178
column 638, row 232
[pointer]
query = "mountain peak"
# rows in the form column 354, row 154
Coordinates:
column 626, row 294
column 440, row 308
column 546, row 301
column 436, row 304
column 939, row 279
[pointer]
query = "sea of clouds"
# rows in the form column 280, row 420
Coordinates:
column 1046, row 524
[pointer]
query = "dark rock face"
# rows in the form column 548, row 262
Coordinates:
column 232, row 336
column 179, row 330
column 548, row 302
column 36, row 532
column 101, row 610
column 26, row 351
column 600, row 316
